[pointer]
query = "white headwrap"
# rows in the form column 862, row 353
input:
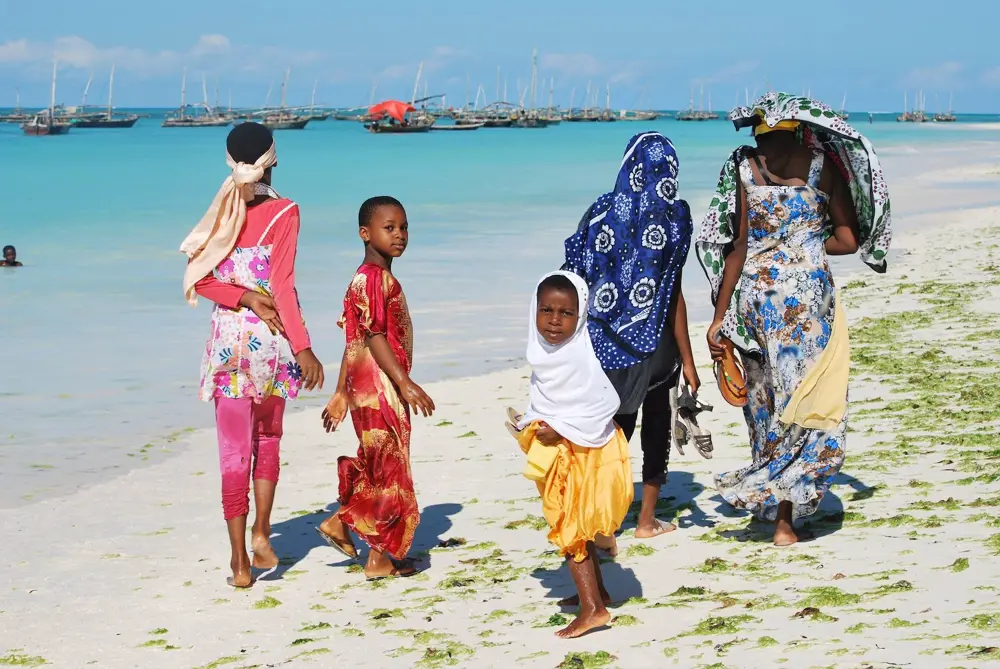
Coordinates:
column 215, row 235
column 569, row 389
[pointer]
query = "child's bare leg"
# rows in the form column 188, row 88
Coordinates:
column 593, row 612
column 380, row 565
column 784, row 530
column 596, row 560
column 336, row 530
column 240, row 561
column 648, row 525
column 263, row 554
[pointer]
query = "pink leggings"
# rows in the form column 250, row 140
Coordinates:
column 247, row 432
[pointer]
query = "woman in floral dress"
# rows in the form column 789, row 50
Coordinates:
column 811, row 188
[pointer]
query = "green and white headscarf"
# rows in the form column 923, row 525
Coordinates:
column 822, row 128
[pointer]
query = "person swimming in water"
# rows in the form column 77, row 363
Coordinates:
column 10, row 257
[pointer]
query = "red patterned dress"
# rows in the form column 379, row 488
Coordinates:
column 376, row 487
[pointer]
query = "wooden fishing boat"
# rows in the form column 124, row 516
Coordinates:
column 380, row 128
column 107, row 119
column 46, row 122
column 459, row 126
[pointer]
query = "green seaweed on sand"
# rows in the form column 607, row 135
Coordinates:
column 159, row 631
column 635, row 601
column 498, row 614
column 767, row 641
column 685, row 591
column 19, row 660
column 385, row 614
column 352, row 631
column 302, row 641
column 221, row 662
column 582, row 660
column 715, row 625
column 468, row 435
column 723, row 648
column 857, row 629
column 897, row 623
column 314, row 627
column 267, row 603
column 959, row 565
column 530, row 521
column 533, row 656
column 828, row 595
column 814, row 614
column 714, row 566
column 154, row 643
column 993, row 544
column 984, row 622
column 448, row 655
column 309, row 653
column 639, row 550
column 625, row 621
column 444, row 423
column 555, row 620
column 892, row 589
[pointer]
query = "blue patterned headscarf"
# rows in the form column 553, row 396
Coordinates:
column 630, row 248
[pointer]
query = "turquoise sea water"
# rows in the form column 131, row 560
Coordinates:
column 102, row 353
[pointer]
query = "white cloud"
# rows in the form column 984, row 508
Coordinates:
column 943, row 75
column 439, row 58
column 211, row 52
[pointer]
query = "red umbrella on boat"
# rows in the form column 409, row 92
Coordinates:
column 393, row 108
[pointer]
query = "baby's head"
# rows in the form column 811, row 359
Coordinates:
column 382, row 224
column 558, row 310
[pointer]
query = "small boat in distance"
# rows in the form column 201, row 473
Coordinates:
column 691, row 114
column 457, row 126
column 393, row 117
column 46, row 122
column 915, row 115
column 843, row 109
column 181, row 118
column 108, row 119
column 946, row 117
column 17, row 114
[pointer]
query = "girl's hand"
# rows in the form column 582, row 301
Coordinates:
column 263, row 306
column 415, row 396
column 691, row 378
column 714, row 337
column 335, row 411
column 312, row 369
column 547, row 435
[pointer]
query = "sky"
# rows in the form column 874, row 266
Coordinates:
column 649, row 54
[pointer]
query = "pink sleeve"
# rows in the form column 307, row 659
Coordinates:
column 286, row 299
column 220, row 292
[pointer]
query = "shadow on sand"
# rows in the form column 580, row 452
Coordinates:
column 293, row 539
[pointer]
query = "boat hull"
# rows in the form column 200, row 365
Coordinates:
column 458, row 127
column 297, row 124
column 106, row 123
column 378, row 129
column 42, row 129
column 190, row 123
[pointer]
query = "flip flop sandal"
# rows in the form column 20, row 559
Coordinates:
column 680, row 433
column 395, row 573
column 731, row 376
column 687, row 410
column 332, row 543
column 514, row 432
column 513, row 416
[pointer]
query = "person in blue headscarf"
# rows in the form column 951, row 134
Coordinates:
column 630, row 248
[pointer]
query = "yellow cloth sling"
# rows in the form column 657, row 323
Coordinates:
column 820, row 401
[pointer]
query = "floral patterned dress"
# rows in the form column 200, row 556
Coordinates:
column 376, row 487
column 786, row 301
column 243, row 358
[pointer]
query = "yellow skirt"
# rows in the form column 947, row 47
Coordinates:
column 585, row 492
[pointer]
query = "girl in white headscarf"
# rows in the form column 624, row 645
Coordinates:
column 241, row 256
column 576, row 453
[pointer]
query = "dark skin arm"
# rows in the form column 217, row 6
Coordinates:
column 410, row 392
column 336, row 408
column 677, row 319
column 730, row 275
column 843, row 215
column 547, row 435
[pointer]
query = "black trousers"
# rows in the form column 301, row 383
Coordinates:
column 655, row 431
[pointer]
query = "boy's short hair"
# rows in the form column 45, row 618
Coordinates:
column 369, row 206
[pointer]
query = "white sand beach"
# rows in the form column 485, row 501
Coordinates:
column 904, row 569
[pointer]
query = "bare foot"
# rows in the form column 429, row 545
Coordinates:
column 575, row 600
column 607, row 544
column 336, row 533
column 784, row 534
column 263, row 554
column 654, row 529
column 242, row 577
column 584, row 624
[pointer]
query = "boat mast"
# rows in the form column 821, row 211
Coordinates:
column 552, row 86
column 184, row 79
column 204, row 90
column 416, row 85
column 607, row 89
column 534, row 76
column 701, row 99
column 374, row 88
column 497, row 98
column 86, row 90
column 216, row 106
column 111, row 89
column 312, row 101
column 52, row 104
column 267, row 100
column 586, row 100
column 284, row 87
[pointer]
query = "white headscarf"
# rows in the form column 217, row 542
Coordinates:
column 569, row 389
column 215, row 235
